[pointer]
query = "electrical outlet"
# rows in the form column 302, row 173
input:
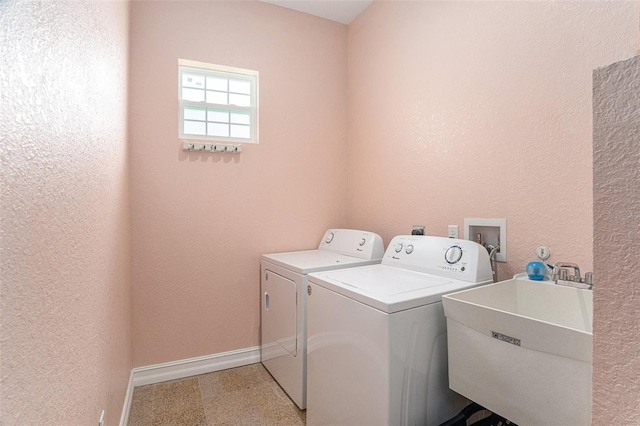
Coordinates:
column 417, row 230
column 543, row 253
column 453, row 231
column 101, row 422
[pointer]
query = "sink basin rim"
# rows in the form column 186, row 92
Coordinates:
column 483, row 309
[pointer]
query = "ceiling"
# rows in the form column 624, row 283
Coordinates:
column 343, row 11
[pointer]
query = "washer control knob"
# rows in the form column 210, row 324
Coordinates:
column 453, row 254
column 398, row 247
column 362, row 241
column 329, row 238
column 409, row 249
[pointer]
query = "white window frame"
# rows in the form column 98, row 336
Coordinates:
column 212, row 70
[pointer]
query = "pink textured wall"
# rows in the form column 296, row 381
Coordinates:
column 616, row 192
column 65, row 225
column 201, row 221
column 480, row 109
column 455, row 110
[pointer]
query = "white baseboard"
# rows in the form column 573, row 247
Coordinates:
column 193, row 366
column 124, row 417
column 173, row 370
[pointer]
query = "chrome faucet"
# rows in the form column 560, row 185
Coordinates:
column 562, row 277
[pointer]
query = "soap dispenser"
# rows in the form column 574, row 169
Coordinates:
column 536, row 271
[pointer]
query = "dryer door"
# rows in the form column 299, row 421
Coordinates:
column 279, row 310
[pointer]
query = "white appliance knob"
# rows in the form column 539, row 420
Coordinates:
column 409, row 249
column 329, row 237
column 453, row 254
column 362, row 241
column 398, row 248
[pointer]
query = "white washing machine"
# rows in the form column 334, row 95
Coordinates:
column 283, row 349
column 377, row 344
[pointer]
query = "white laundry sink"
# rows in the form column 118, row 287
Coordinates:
column 523, row 349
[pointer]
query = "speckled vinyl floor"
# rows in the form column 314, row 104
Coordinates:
column 239, row 396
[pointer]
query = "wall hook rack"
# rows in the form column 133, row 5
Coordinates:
column 215, row 147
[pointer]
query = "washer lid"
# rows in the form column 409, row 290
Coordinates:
column 307, row 261
column 387, row 288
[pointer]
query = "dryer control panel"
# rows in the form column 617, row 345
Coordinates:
column 351, row 242
column 458, row 259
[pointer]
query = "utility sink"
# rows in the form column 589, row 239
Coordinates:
column 523, row 349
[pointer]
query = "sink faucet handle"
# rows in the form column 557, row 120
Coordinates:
column 562, row 274
column 588, row 278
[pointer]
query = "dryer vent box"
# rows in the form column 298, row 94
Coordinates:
column 488, row 232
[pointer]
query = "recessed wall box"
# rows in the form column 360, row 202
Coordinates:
column 488, row 232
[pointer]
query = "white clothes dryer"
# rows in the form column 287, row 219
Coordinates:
column 283, row 349
column 377, row 345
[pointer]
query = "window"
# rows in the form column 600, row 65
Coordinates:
column 217, row 103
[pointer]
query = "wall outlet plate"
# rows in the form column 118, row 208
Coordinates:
column 417, row 230
column 453, row 231
column 543, row 252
